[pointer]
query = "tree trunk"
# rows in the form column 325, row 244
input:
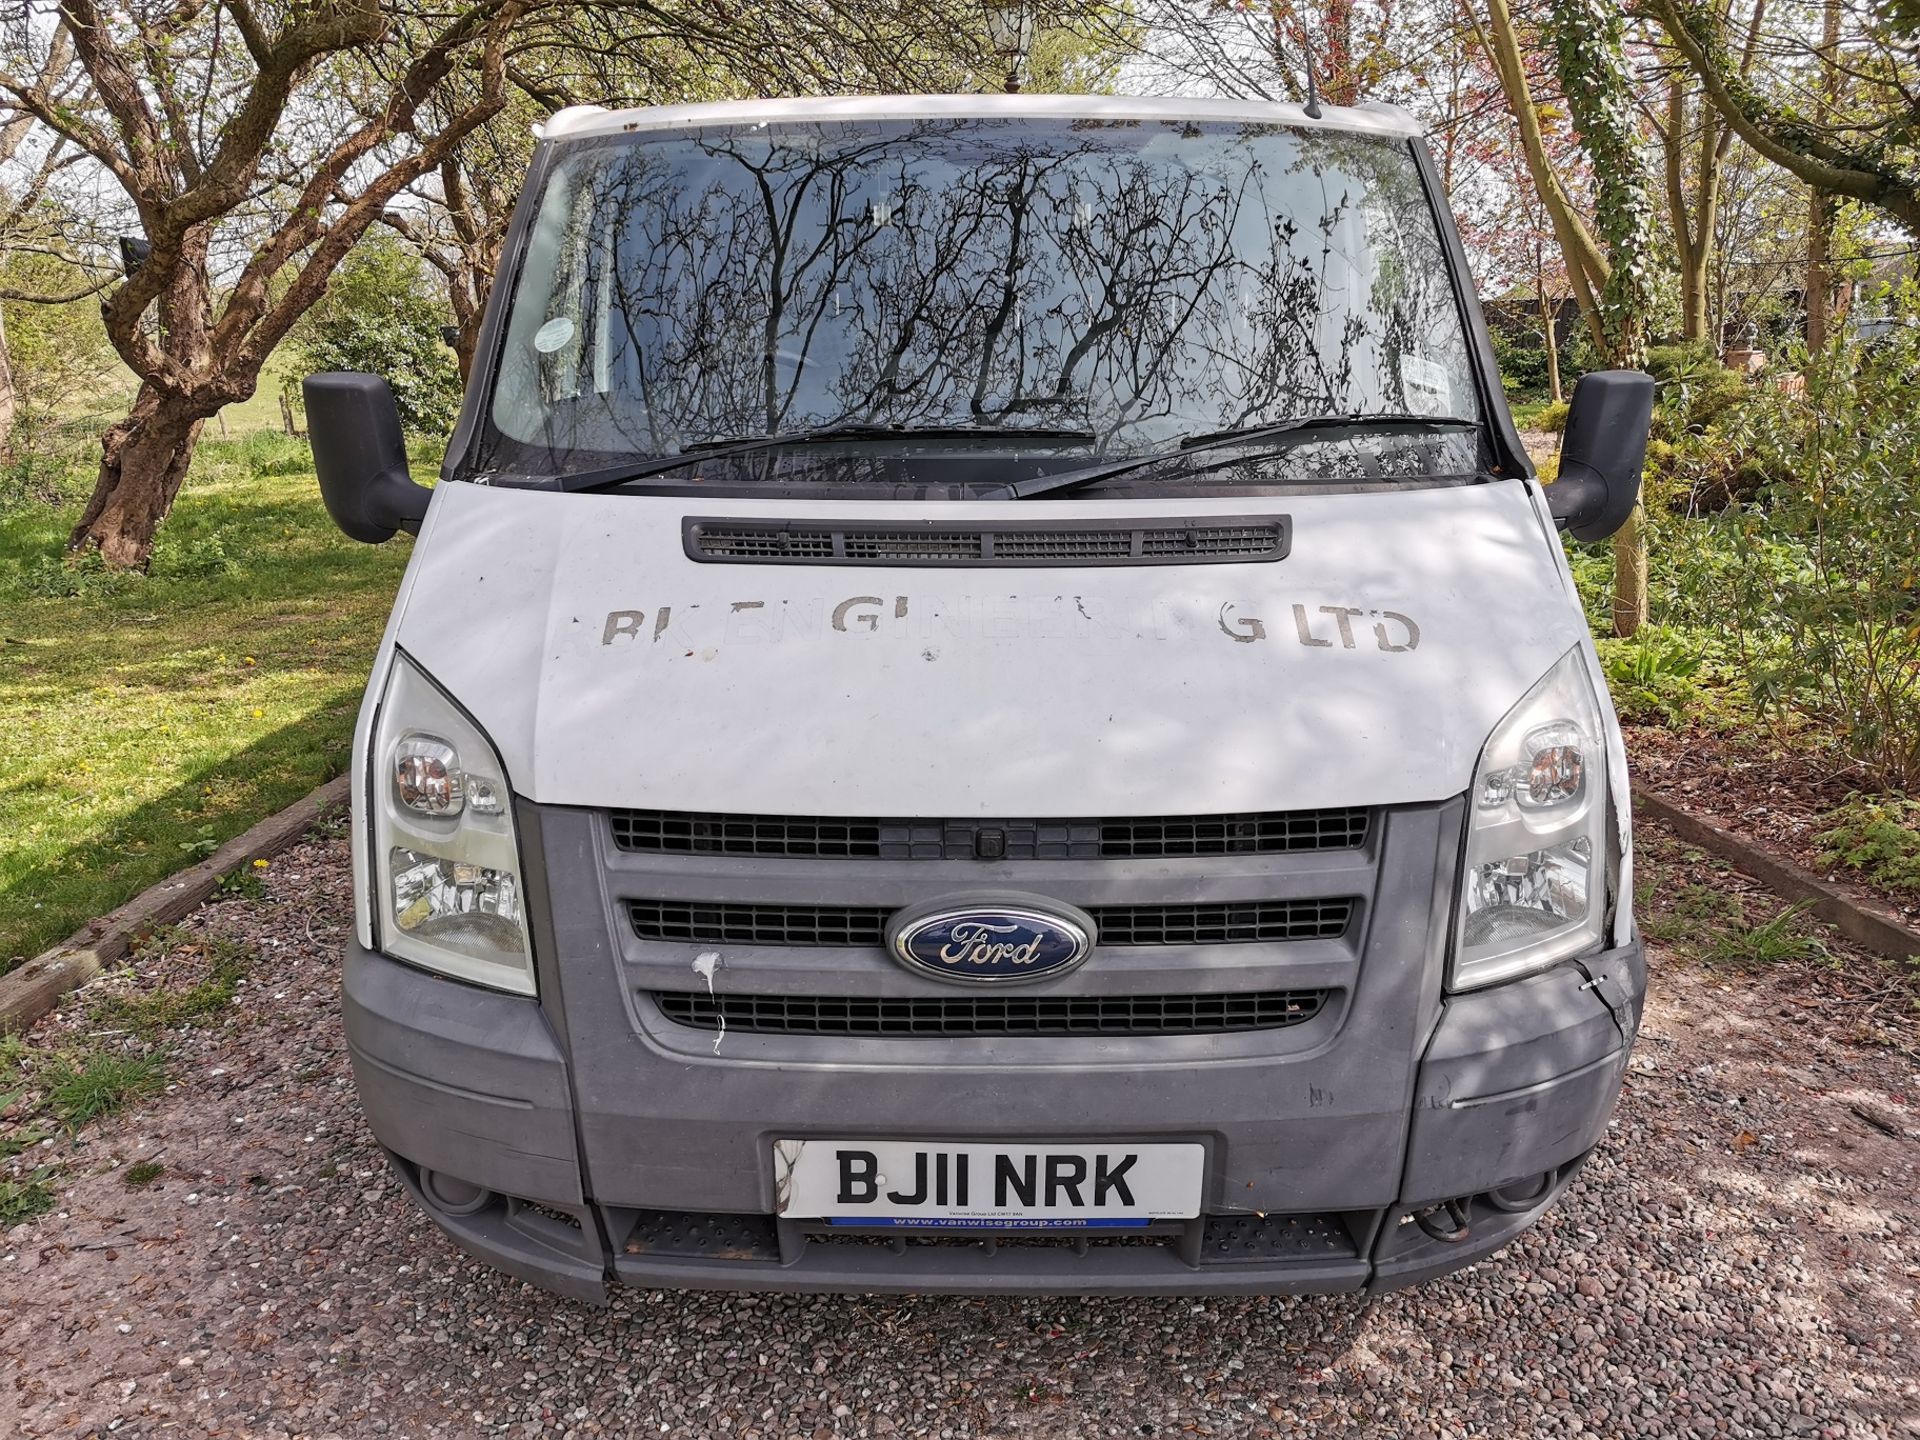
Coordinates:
column 1586, row 268
column 1692, row 214
column 143, row 462
column 1550, row 326
column 466, row 342
column 9, row 400
column 1630, row 574
column 1819, row 281
column 1820, row 207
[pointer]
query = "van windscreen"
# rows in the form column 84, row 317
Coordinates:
column 1120, row 284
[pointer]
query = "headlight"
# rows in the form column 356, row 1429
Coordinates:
column 1535, row 888
column 446, row 865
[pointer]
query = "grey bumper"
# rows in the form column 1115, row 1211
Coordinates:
column 470, row 1090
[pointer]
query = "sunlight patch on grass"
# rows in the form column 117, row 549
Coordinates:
column 146, row 715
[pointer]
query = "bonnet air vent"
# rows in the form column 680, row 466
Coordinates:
column 1212, row 539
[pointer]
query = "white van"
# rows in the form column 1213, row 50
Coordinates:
column 987, row 701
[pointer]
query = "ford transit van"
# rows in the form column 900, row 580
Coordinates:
column 987, row 700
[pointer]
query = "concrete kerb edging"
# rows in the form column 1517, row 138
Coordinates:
column 1877, row 932
column 35, row 988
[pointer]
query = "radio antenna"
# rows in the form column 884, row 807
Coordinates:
column 1313, row 83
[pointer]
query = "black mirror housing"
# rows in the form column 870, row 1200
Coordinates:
column 1602, row 453
column 361, row 456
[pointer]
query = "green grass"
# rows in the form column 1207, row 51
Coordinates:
column 142, row 1173
column 1686, row 914
column 148, row 1015
column 146, row 719
column 21, row 1200
column 85, row 1087
column 1770, row 942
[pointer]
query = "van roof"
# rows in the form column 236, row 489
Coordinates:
column 580, row 120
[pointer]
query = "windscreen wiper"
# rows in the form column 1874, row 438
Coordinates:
column 1063, row 481
column 722, row 449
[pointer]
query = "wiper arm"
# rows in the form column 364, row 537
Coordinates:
column 1063, row 481
column 723, row 448
column 1386, row 420
column 866, row 430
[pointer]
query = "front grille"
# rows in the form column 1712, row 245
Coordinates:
column 698, row 922
column 1238, row 923
column 989, row 1015
column 1240, row 539
column 1280, row 832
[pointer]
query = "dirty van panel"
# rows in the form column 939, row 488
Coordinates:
column 987, row 704
column 1151, row 689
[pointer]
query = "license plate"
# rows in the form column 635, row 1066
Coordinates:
column 908, row 1182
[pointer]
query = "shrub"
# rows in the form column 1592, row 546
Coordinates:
column 1553, row 419
column 1879, row 838
column 270, row 452
column 1695, row 390
column 1523, row 363
column 40, row 473
column 60, row 361
column 1823, row 583
column 1651, row 676
column 380, row 315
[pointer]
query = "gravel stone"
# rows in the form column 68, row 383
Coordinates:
column 1739, row 1259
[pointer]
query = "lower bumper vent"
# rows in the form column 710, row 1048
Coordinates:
column 1248, row 922
column 992, row 1015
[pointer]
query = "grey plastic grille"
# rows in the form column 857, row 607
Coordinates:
column 1229, row 542
column 1226, row 1240
column 703, row 924
column 738, row 544
column 1071, row 545
column 1236, row 924
column 1238, row 539
column 673, row 832
column 909, row 547
column 990, row 1015
column 1243, row 922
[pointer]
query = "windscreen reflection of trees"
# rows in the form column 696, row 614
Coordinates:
column 1140, row 281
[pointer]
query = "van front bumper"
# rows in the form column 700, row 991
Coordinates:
column 470, row 1094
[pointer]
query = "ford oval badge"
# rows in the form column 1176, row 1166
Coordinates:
column 1008, row 937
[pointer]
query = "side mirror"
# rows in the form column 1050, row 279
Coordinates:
column 1602, row 453
column 361, row 456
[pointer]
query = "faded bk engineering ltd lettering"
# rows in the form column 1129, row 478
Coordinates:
column 1068, row 618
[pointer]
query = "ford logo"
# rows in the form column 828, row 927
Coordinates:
column 1006, row 938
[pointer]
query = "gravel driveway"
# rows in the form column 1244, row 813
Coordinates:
column 1742, row 1258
